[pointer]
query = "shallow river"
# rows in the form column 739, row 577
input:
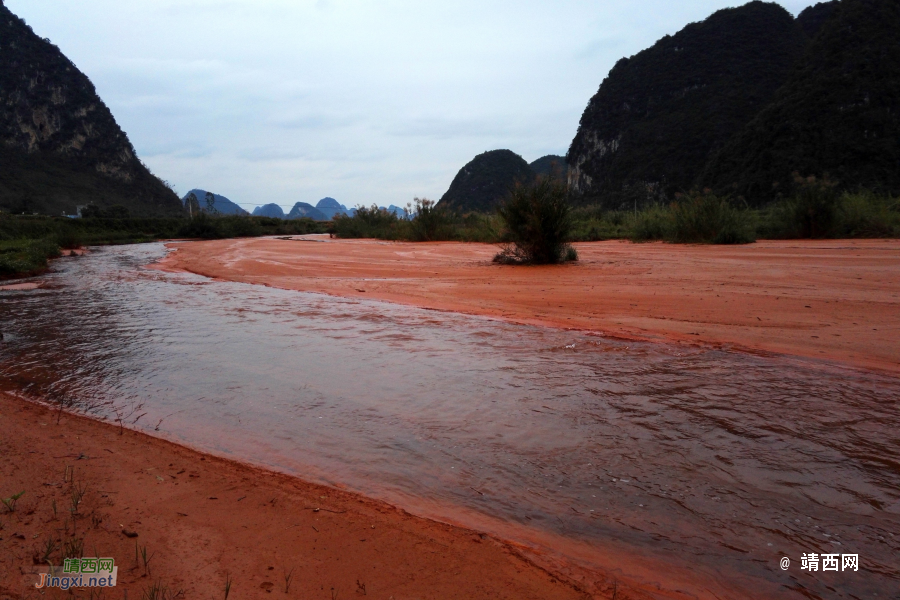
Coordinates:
column 582, row 447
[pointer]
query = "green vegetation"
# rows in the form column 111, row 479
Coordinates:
column 28, row 242
column 741, row 102
column 837, row 118
column 483, row 183
column 431, row 223
column 537, row 225
column 660, row 115
column 60, row 146
column 817, row 210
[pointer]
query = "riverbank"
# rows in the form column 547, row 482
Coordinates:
column 204, row 519
column 837, row 300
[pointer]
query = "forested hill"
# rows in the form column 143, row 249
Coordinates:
column 814, row 17
column 838, row 116
column 659, row 115
column 485, row 180
column 59, row 144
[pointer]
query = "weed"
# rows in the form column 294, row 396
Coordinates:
column 10, row 502
column 158, row 591
column 78, row 492
column 228, row 582
column 73, row 547
column 288, row 577
column 50, row 546
column 55, row 511
column 145, row 559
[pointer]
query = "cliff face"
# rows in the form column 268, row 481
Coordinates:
column 659, row 115
column 837, row 117
column 59, row 144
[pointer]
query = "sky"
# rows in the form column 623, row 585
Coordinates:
column 367, row 102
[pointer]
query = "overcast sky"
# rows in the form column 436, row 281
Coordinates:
column 368, row 102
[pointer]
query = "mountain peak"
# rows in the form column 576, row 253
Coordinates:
column 59, row 143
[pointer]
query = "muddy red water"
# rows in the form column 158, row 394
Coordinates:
column 699, row 469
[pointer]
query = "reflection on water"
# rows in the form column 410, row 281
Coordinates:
column 721, row 460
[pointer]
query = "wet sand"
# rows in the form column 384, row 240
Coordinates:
column 837, row 300
column 202, row 519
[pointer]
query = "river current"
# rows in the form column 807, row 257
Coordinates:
column 721, row 462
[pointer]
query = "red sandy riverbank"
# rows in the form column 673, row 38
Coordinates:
column 202, row 519
column 837, row 299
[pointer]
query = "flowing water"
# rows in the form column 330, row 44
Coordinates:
column 706, row 460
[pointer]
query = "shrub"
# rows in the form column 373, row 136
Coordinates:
column 863, row 214
column 370, row 222
column 202, row 226
column 651, row 224
column 26, row 257
column 707, row 219
column 537, row 224
column 431, row 223
column 811, row 213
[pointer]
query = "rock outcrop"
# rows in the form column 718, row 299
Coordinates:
column 660, row 115
column 838, row 117
column 60, row 146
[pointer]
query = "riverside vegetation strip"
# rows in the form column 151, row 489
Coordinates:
column 28, row 242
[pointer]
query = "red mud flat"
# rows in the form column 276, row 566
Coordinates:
column 837, row 300
column 204, row 519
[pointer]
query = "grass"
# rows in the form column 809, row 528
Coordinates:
column 73, row 547
column 158, row 591
column 78, row 492
column 228, row 582
column 288, row 578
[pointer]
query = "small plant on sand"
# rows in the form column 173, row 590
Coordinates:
column 10, row 503
column 288, row 577
column 78, row 492
column 158, row 591
column 145, row 559
column 228, row 582
column 537, row 225
column 50, row 546
column 73, row 547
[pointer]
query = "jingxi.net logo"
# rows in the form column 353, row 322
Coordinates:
column 81, row 572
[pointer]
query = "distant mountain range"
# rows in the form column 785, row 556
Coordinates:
column 741, row 103
column 198, row 200
column 60, row 146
